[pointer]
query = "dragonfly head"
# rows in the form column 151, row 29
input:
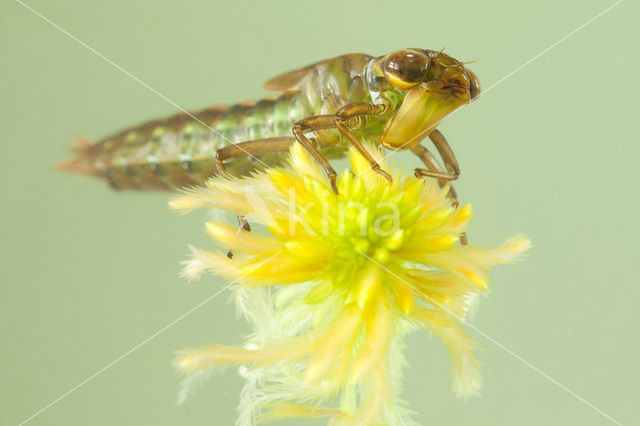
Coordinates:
column 434, row 85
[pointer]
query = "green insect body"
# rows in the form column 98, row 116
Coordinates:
column 180, row 150
column 404, row 95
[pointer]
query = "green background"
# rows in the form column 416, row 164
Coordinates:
column 552, row 151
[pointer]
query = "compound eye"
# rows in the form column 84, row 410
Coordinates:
column 474, row 90
column 406, row 68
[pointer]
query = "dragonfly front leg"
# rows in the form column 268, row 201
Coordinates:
column 435, row 170
column 433, row 167
column 249, row 148
column 446, row 153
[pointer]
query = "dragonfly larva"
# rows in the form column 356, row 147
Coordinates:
column 395, row 100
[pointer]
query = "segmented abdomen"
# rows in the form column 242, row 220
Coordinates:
column 180, row 150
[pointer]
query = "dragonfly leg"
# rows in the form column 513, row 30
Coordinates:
column 355, row 110
column 435, row 170
column 339, row 121
column 311, row 124
column 433, row 167
column 249, row 148
column 446, row 153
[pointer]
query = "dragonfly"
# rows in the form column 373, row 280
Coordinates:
column 394, row 101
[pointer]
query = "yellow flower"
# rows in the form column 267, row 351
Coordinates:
column 334, row 284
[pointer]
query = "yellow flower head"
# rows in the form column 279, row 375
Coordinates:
column 336, row 281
